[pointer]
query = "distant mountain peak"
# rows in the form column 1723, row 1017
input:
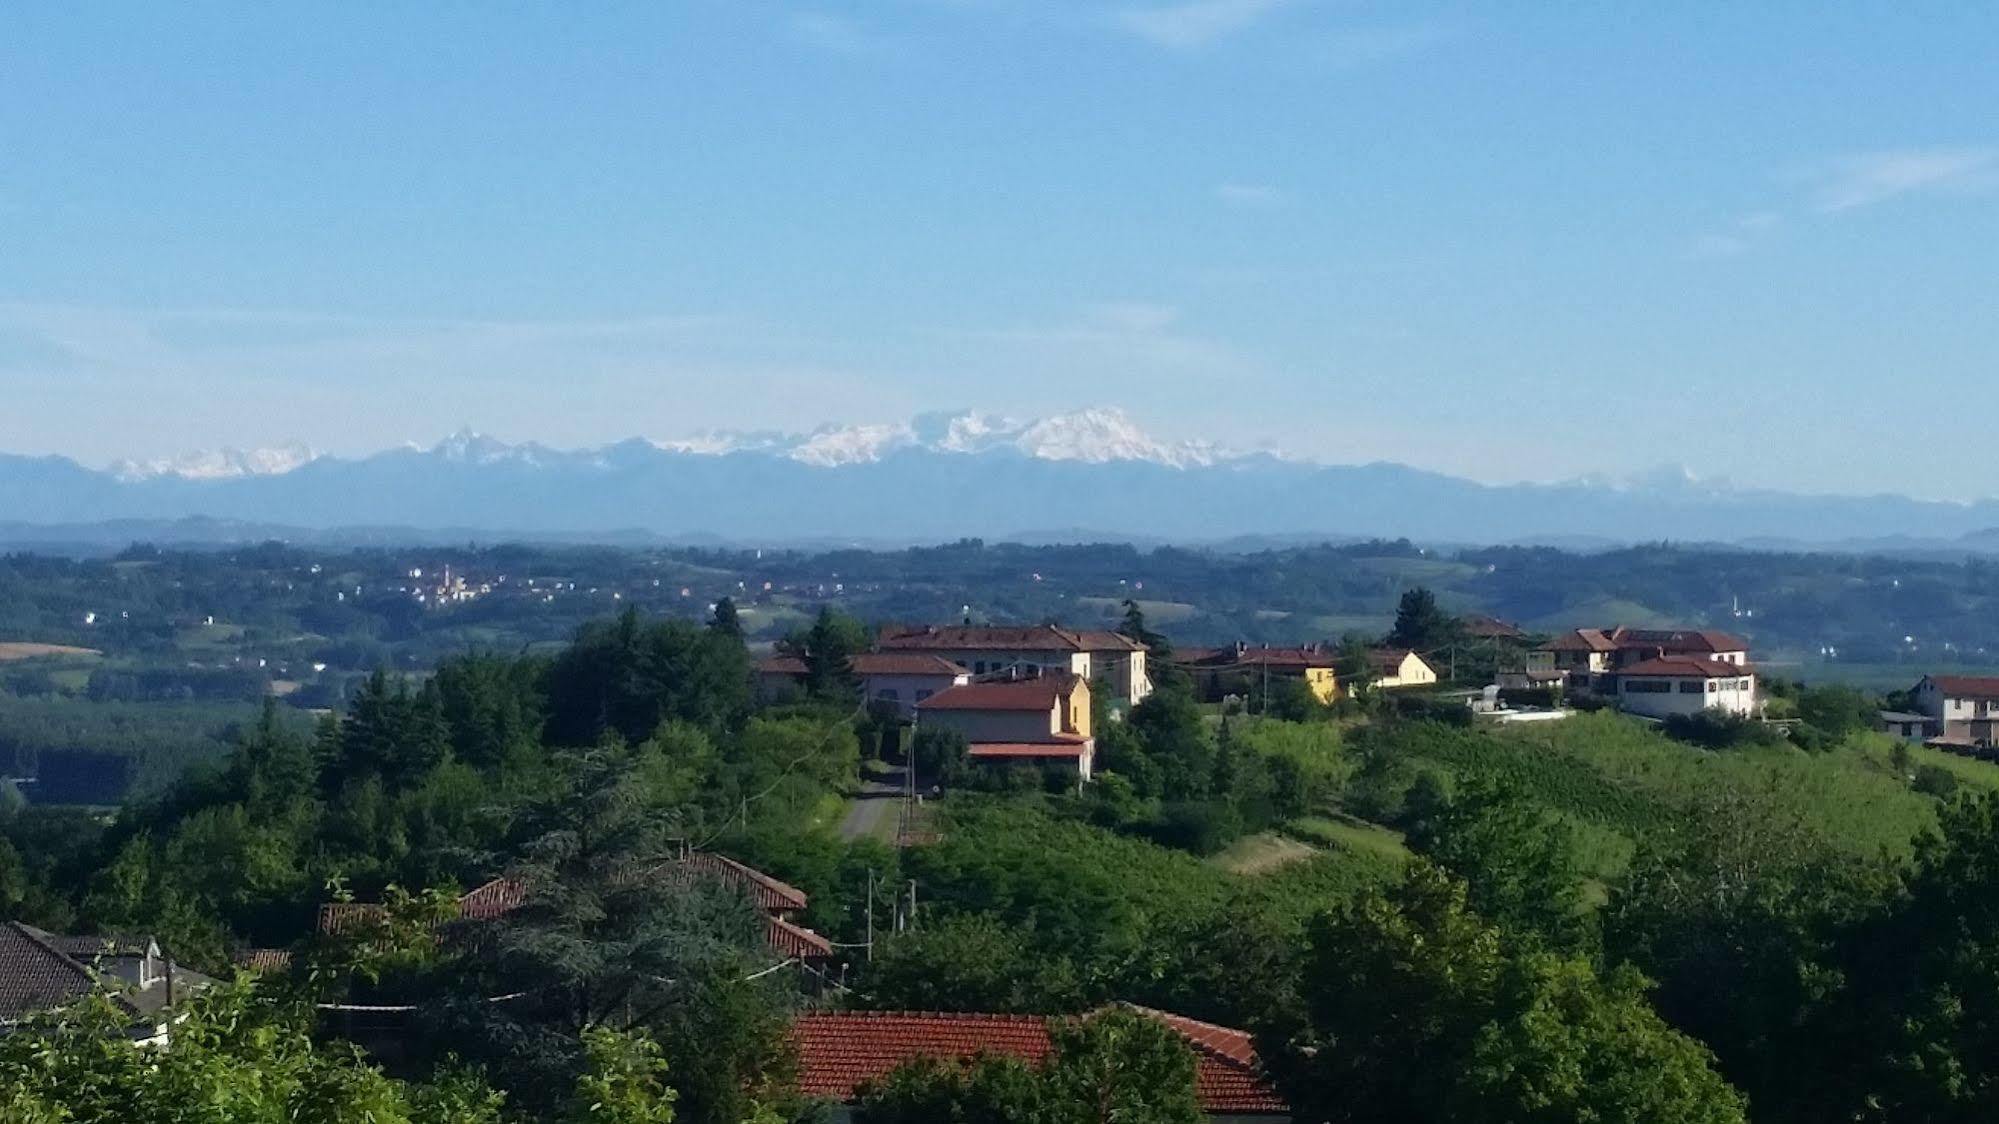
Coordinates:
column 1098, row 435
column 219, row 464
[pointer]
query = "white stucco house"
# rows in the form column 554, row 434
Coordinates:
column 1666, row 686
column 1110, row 659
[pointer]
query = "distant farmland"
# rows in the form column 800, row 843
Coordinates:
column 11, row 651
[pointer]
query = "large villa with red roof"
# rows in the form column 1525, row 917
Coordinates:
column 1655, row 672
column 1956, row 710
column 1110, row 659
column 841, row 1052
column 1042, row 720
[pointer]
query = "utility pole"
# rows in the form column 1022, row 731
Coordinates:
column 912, row 903
column 871, row 915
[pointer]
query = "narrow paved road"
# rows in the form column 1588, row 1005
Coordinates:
column 874, row 810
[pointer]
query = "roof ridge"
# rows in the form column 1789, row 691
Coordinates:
column 42, row 940
column 1212, row 1051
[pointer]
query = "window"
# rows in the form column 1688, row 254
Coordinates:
column 921, row 695
column 1713, row 685
column 1691, row 687
column 979, row 668
column 1647, row 687
column 888, row 694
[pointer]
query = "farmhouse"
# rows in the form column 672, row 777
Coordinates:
column 1243, row 670
column 1043, row 720
column 40, row 970
column 1111, row 659
column 892, row 679
column 1961, row 709
column 1395, row 668
column 1590, row 659
column 1665, row 686
column 839, row 1052
column 779, row 902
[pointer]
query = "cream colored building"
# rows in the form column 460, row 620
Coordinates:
column 1396, row 668
column 1111, row 659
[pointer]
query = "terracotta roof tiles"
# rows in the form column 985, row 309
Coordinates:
column 1037, row 693
column 841, row 1051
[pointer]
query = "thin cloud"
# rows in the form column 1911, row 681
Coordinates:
column 835, row 34
column 1875, row 177
column 1737, row 237
column 1362, row 46
column 1194, row 23
column 1248, row 195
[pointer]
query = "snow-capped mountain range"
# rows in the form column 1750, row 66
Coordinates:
column 1093, row 473
column 1094, row 436
column 221, row 464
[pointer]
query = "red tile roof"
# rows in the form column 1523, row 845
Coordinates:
column 789, row 940
column 1967, row 686
column 994, row 638
column 497, row 898
column 768, row 893
column 1388, row 660
column 1686, row 667
column 1484, row 627
column 840, row 1051
column 904, row 663
column 1672, row 641
column 1221, row 659
column 1678, row 641
column 265, row 961
column 502, row 896
column 1066, row 748
column 871, row 663
column 1040, row 693
column 1582, row 640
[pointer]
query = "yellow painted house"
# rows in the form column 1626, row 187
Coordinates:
column 1395, row 668
column 1242, row 669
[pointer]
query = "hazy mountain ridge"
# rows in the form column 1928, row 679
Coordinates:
column 944, row 476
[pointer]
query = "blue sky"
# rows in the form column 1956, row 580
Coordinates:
column 1505, row 241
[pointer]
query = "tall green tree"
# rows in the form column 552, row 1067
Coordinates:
column 1518, row 860
column 1414, row 1008
column 829, row 648
column 1420, row 623
column 726, row 620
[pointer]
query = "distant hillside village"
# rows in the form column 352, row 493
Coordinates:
column 1029, row 694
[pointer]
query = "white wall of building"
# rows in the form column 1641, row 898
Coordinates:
column 1639, row 694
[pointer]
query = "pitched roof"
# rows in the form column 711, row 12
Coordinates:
column 86, row 949
column 1035, row 693
column 1677, row 641
column 1290, row 659
column 497, row 898
column 1686, row 667
column 503, row 895
column 1490, row 628
column 35, row 975
column 1066, row 746
column 1002, row 638
column 870, row 663
column 767, row 892
column 1967, row 686
column 265, row 961
column 903, row 663
column 840, row 1051
column 1389, row 660
column 1581, row 640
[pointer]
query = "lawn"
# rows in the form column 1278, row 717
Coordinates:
column 1261, row 853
